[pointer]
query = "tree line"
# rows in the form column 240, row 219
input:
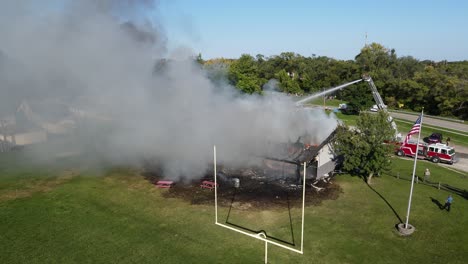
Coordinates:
column 403, row 82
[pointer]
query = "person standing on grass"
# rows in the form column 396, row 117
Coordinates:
column 448, row 203
column 427, row 175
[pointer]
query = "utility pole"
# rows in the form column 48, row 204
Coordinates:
column 323, row 100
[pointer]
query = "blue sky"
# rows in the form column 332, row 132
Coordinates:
column 435, row 30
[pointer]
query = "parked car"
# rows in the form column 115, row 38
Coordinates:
column 349, row 109
column 374, row 108
column 435, row 138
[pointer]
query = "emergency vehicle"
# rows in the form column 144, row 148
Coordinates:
column 437, row 152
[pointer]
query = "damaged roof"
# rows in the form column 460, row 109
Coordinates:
column 301, row 153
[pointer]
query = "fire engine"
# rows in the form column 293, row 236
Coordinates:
column 437, row 152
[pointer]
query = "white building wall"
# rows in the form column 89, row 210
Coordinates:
column 325, row 161
column 30, row 138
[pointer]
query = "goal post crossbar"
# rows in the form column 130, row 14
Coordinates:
column 259, row 235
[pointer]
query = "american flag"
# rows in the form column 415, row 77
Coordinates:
column 414, row 130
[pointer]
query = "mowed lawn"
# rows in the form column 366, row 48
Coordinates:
column 80, row 215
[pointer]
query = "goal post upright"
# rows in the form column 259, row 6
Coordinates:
column 303, row 207
column 216, row 185
column 261, row 236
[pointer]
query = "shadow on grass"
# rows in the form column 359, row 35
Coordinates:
column 262, row 231
column 290, row 219
column 385, row 200
column 436, row 202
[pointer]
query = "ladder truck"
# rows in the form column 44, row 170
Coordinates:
column 380, row 104
column 375, row 94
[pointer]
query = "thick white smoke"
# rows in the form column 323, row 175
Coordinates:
column 103, row 58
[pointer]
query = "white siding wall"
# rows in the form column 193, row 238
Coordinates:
column 325, row 159
column 30, row 138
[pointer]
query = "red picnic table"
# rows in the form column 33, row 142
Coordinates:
column 208, row 185
column 164, row 184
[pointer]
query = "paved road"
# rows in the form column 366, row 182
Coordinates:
column 462, row 127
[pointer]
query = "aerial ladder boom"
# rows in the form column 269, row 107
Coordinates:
column 380, row 104
column 375, row 93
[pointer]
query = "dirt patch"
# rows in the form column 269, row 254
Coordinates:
column 253, row 193
column 33, row 186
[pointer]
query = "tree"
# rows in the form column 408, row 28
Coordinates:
column 288, row 84
column 359, row 96
column 404, row 82
column 375, row 56
column 362, row 148
column 406, row 67
column 445, row 93
column 199, row 59
column 244, row 74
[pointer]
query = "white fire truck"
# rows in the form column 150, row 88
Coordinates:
column 434, row 152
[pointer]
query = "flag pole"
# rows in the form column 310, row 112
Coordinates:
column 414, row 171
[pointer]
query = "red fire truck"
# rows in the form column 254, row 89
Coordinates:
column 434, row 152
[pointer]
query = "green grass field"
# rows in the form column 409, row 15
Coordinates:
column 73, row 214
column 328, row 102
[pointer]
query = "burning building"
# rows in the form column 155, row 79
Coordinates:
column 284, row 166
column 319, row 159
column 275, row 181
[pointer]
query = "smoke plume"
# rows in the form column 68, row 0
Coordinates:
column 132, row 98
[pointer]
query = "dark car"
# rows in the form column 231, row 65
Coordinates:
column 435, row 138
column 350, row 109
